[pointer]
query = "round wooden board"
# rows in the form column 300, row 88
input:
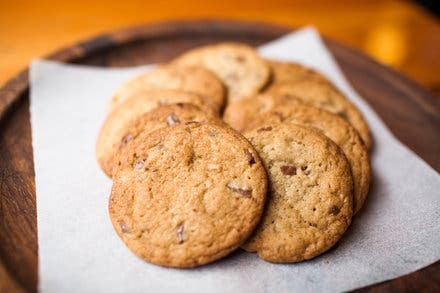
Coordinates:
column 410, row 112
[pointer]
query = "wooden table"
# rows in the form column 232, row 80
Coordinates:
column 397, row 33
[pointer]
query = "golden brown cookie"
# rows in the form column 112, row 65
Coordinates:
column 326, row 96
column 114, row 130
column 310, row 200
column 187, row 195
column 292, row 72
column 338, row 130
column 237, row 65
column 242, row 112
column 193, row 79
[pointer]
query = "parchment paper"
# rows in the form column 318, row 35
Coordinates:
column 397, row 232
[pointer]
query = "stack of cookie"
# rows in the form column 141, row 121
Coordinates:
column 282, row 174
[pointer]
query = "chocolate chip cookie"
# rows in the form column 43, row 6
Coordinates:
column 193, row 79
column 326, row 96
column 187, row 195
column 242, row 112
column 338, row 130
column 115, row 130
column 237, row 65
column 310, row 199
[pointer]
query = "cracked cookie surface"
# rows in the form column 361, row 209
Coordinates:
column 309, row 203
column 187, row 195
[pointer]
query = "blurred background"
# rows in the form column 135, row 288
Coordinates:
column 402, row 34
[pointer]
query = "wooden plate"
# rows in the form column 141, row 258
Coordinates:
column 410, row 112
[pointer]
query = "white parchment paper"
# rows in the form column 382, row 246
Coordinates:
column 397, row 232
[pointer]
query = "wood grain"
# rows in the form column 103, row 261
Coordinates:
column 402, row 104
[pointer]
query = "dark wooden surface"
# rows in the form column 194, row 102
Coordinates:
column 410, row 112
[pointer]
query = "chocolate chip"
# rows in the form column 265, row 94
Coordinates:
column 244, row 192
column 173, row 119
column 249, row 156
column 125, row 140
column 180, row 105
column 268, row 128
column 288, row 170
column 179, row 231
column 124, row 227
column 304, row 168
column 334, row 210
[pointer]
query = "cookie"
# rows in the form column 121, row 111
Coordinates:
column 310, row 199
column 292, row 72
column 237, row 65
column 187, row 195
column 193, row 79
column 326, row 96
column 338, row 130
column 240, row 113
column 114, row 131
